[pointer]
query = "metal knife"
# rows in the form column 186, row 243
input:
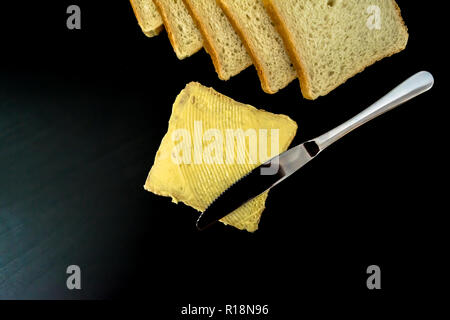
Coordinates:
column 258, row 181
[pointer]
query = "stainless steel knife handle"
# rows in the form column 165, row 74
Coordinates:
column 412, row 87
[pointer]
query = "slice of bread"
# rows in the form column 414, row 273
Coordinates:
column 330, row 41
column 183, row 34
column 147, row 16
column 197, row 111
column 263, row 42
column 221, row 41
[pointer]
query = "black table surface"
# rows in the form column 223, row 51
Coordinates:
column 82, row 114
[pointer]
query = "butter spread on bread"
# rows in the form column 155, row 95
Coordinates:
column 198, row 185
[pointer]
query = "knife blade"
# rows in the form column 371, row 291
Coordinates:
column 262, row 178
column 256, row 182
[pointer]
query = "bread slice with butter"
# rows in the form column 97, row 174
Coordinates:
column 264, row 44
column 147, row 16
column 329, row 41
column 221, row 41
column 183, row 34
column 199, row 183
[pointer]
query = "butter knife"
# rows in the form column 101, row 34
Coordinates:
column 263, row 178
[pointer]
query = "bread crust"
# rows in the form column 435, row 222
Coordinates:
column 170, row 33
column 399, row 13
column 289, row 44
column 154, row 32
column 265, row 84
column 148, row 33
column 163, row 14
column 305, row 84
column 208, row 42
column 382, row 56
column 252, row 51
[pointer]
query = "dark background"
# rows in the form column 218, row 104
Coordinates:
column 82, row 114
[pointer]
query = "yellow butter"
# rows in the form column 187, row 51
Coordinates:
column 199, row 184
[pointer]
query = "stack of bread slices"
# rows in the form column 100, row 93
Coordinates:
column 321, row 42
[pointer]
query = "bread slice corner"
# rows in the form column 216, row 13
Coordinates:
column 221, row 41
column 147, row 16
column 181, row 29
column 329, row 41
column 265, row 46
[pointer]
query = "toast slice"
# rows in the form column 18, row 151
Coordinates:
column 197, row 183
column 147, row 16
column 183, row 34
column 221, row 41
column 264, row 44
column 330, row 41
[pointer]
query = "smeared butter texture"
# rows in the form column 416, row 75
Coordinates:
column 198, row 185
